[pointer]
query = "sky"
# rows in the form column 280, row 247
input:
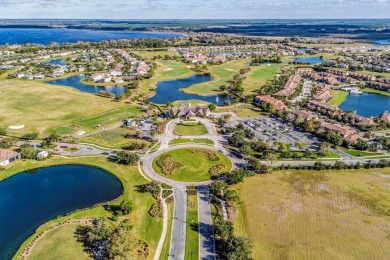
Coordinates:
column 194, row 9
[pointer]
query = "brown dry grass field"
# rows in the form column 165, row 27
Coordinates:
column 317, row 215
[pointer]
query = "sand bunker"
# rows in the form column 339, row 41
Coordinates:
column 81, row 133
column 16, row 127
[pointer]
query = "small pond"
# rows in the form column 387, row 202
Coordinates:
column 75, row 82
column 367, row 104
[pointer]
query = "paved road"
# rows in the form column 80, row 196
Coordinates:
column 206, row 233
column 178, row 239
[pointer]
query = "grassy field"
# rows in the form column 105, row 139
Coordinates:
column 196, row 129
column 258, row 76
column 192, row 236
column 112, row 138
column 195, row 167
column 358, row 153
column 167, row 243
column 43, row 107
column 242, row 111
column 148, row 228
column 317, row 215
column 151, row 54
column 376, row 91
column 167, row 70
column 60, row 243
column 109, row 117
column 221, row 75
column 191, row 141
column 338, row 97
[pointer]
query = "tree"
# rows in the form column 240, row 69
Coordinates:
column 238, row 248
column 218, row 188
column 126, row 207
column 30, row 136
column 101, row 230
column 3, row 131
column 325, row 148
column 127, row 158
column 271, row 157
column 212, row 107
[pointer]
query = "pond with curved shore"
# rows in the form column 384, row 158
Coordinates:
column 29, row 199
column 366, row 104
column 75, row 82
column 171, row 91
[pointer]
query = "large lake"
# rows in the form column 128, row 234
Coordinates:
column 75, row 82
column 29, row 199
column 47, row 36
column 169, row 91
column 367, row 104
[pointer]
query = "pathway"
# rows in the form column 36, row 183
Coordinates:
column 178, row 239
column 206, row 233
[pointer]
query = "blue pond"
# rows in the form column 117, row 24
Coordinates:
column 310, row 60
column 30, row 199
column 367, row 104
column 382, row 42
column 169, row 91
column 75, row 82
column 47, row 36
column 56, row 62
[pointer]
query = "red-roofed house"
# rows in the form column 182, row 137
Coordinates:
column 7, row 156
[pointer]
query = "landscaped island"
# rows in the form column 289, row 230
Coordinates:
column 191, row 164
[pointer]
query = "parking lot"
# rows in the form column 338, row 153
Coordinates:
column 272, row 130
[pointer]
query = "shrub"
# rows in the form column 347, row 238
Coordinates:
column 167, row 164
column 216, row 169
column 211, row 154
column 157, row 209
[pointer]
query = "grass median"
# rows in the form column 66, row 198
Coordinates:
column 192, row 228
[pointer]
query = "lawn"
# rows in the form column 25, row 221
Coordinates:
column 43, row 107
column 148, row 228
column 60, row 243
column 358, row 153
column 258, row 76
column 242, row 111
column 112, row 138
column 191, row 141
column 167, row 70
column 316, row 215
column 109, row 117
column 196, row 129
column 192, row 236
column 376, row 91
column 338, row 97
column 195, row 166
column 221, row 74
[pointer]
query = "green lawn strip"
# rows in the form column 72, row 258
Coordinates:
column 167, row 243
column 195, row 167
column 376, row 91
column 193, row 141
column 338, row 97
column 192, row 236
column 197, row 129
column 114, row 138
column 359, row 153
column 146, row 226
column 109, row 117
